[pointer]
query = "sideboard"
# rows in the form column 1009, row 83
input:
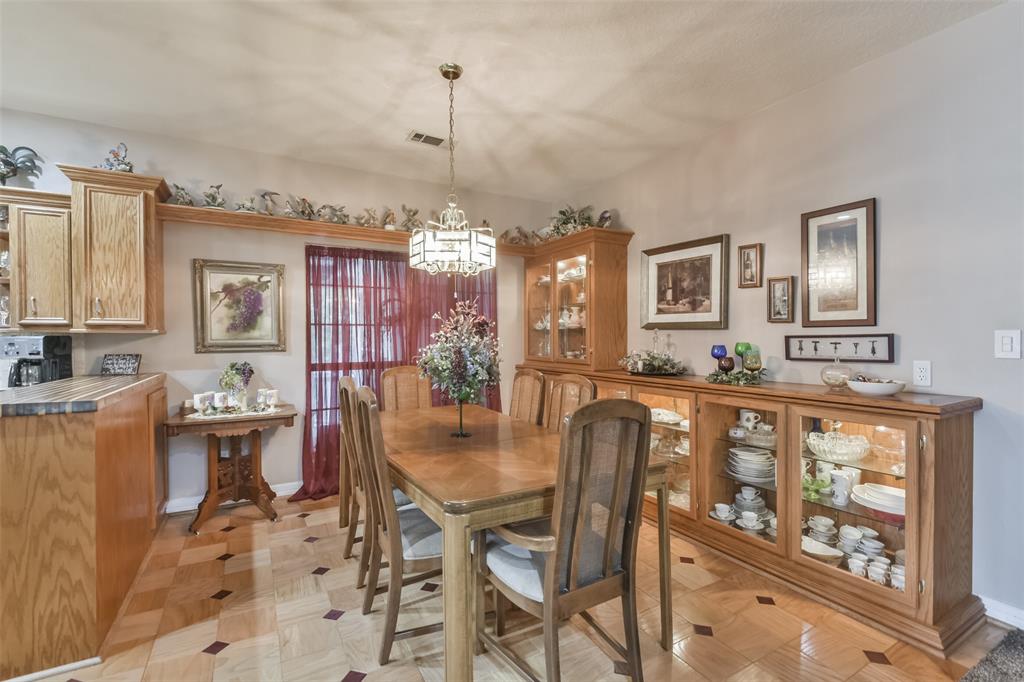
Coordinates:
column 921, row 444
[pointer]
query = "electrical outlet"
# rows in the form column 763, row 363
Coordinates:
column 922, row 372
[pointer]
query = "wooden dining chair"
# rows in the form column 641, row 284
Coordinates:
column 567, row 393
column 585, row 553
column 402, row 388
column 406, row 537
column 527, row 395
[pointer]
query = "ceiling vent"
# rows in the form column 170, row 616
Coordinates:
column 423, row 138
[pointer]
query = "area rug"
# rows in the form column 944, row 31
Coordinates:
column 1005, row 662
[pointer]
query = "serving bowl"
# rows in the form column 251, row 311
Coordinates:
column 839, row 447
column 821, row 551
column 887, row 387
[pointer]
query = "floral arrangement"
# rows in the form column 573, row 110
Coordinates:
column 569, row 220
column 743, row 377
column 462, row 360
column 651, row 362
column 236, row 376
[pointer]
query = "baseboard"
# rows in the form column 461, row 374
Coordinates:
column 1004, row 613
column 184, row 504
column 59, row 670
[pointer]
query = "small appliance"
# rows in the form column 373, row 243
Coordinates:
column 29, row 360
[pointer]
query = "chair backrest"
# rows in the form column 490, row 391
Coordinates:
column 346, row 400
column 602, row 469
column 401, row 388
column 527, row 396
column 375, row 462
column 568, row 392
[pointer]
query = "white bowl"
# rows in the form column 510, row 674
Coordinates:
column 876, row 388
column 821, row 551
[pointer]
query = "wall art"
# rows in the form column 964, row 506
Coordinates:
column 847, row 347
column 121, row 363
column 749, row 263
column 237, row 306
column 686, row 285
column 838, row 256
column 780, row 298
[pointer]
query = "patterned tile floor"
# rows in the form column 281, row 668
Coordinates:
column 247, row 599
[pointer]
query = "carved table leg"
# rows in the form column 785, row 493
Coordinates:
column 259, row 486
column 212, row 498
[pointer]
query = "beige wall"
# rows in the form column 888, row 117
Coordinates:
column 198, row 166
column 936, row 132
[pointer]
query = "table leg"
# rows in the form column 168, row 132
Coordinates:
column 212, row 498
column 665, row 567
column 459, row 600
column 258, row 485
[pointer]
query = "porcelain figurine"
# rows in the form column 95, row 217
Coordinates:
column 605, row 219
column 340, row 216
column 23, row 160
column 246, row 206
column 368, row 218
column 302, row 209
column 388, row 219
column 411, row 221
column 212, row 197
column 331, row 213
column 181, row 197
column 517, row 235
column 118, row 160
column 269, row 203
column 484, row 223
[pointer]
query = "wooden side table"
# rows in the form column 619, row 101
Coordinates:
column 237, row 476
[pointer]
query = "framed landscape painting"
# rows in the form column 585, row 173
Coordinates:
column 686, row 285
column 237, row 307
column 838, row 256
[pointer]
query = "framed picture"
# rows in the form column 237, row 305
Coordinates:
column 847, row 347
column 121, row 363
column 751, row 260
column 237, row 307
column 686, row 285
column 780, row 298
column 838, row 256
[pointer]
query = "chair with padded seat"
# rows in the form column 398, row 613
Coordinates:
column 567, row 393
column 585, row 553
column 402, row 388
column 527, row 396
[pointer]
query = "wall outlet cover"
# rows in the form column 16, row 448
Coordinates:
column 1007, row 344
column 922, row 372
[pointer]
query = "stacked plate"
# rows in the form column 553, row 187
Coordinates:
column 757, row 505
column 751, row 465
column 881, row 498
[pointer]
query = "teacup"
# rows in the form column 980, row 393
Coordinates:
column 877, row 575
column 857, row 567
column 749, row 492
column 899, row 582
column 722, row 510
column 738, row 433
column 823, row 471
column 872, row 544
column 850, row 533
column 881, row 561
column 766, row 428
column 749, row 418
column 868, row 532
column 822, row 522
column 750, row 518
column 859, row 556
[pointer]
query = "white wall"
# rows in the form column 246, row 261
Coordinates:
column 935, row 131
column 197, row 166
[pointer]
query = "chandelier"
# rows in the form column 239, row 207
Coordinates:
column 449, row 245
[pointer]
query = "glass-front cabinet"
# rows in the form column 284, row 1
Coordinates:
column 858, row 504
column 744, row 465
column 672, row 432
column 571, row 298
column 538, row 310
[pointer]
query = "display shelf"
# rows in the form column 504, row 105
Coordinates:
column 733, row 441
column 771, row 487
column 670, row 427
column 874, row 463
column 859, row 510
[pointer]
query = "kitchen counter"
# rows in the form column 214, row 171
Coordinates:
column 87, row 393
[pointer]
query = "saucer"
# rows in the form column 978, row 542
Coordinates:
column 728, row 519
column 757, row 525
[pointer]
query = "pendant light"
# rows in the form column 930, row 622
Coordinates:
column 449, row 245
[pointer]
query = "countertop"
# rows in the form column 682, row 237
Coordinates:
column 78, row 394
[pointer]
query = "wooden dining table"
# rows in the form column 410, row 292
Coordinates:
column 503, row 473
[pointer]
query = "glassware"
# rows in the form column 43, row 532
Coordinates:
column 726, row 364
column 752, row 360
column 835, row 375
column 741, row 348
column 719, row 351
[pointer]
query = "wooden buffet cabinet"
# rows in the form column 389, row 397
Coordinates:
column 921, row 443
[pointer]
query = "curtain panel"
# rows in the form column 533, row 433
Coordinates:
column 367, row 311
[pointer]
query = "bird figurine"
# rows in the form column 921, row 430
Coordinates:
column 269, row 203
column 411, row 221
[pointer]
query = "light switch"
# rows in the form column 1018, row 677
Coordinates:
column 1007, row 344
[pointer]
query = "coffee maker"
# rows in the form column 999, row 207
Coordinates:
column 29, row 360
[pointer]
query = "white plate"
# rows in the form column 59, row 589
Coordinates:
column 877, row 506
column 663, row 416
column 884, row 493
column 728, row 519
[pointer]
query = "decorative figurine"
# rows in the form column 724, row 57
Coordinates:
column 484, row 223
column 302, row 209
column 517, row 235
column 118, row 160
column 368, row 218
column 605, row 219
column 212, row 197
column 18, row 160
column 331, row 213
column 269, row 203
column 411, row 221
column 340, row 216
column 181, row 197
column 388, row 220
column 246, row 206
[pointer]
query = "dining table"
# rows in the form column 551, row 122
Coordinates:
column 504, row 472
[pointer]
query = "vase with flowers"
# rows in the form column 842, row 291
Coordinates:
column 462, row 358
column 235, row 380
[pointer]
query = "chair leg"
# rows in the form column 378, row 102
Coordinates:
column 353, row 521
column 391, row 615
column 500, row 605
column 479, row 566
column 629, row 623
column 371, row 578
column 369, row 542
column 552, row 664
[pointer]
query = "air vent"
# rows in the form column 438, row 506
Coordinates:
column 423, row 138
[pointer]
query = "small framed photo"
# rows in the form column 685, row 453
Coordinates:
column 780, row 298
column 838, row 257
column 237, row 306
column 686, row 285
column 751, row 260
column 121, row 363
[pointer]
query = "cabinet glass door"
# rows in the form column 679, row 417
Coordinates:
column 671, row 442
column 744, row 482
column 5, row 268
column 570, row 312
column 856, row 506
column 538, row 310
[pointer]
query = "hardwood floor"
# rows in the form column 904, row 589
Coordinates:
column 248, row 599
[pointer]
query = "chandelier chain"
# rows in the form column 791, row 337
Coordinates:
column 451, row 137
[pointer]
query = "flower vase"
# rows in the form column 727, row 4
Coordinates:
column 461, row 433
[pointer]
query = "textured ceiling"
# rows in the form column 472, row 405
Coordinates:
column 555, row 95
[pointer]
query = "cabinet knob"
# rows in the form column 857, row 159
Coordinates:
column 97, row 308
column 32, row 305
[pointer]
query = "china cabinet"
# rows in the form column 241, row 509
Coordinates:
column 864, row 503
column 575, row 298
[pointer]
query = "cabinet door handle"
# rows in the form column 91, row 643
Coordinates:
column 33, row 306
column 96, row 308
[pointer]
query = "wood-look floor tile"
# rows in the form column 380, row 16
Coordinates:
column 859, row 634
column 790, row 664
column 133, row 627
column 205, row 553
column 154, row 579
column 748, row 637
column 874, row 672
column 148, row 600
column 156, row 562
column 755, row 673
column 256, row 658
column 198, row 571
column 180, row 615
column 692, row 575
column 697, row 608
column 710, row 656
column 921, row 665
column 247, row 624
column 832, row 648
column 978, row 643
column 196, row 667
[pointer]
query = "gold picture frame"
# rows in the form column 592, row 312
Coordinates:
column 749, row 266
column 237, row 307
column 686, row 285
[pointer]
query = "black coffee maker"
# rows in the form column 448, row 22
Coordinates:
column 35, row 359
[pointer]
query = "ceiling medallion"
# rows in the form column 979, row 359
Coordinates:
column 449, row 245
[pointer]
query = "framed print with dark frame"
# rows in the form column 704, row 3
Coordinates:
column 780, row 298
column 686, row 285
column 838, row 257
column 749, row 261
column 846, row 347
column 237, row 307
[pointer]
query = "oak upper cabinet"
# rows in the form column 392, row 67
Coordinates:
column 117, row 250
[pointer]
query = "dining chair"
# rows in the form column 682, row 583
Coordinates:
column 406, row 537
column 527, row 395
column 568, row 392
column 585, row 553
column 402, row 388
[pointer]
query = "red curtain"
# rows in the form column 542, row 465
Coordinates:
column 367, row 311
